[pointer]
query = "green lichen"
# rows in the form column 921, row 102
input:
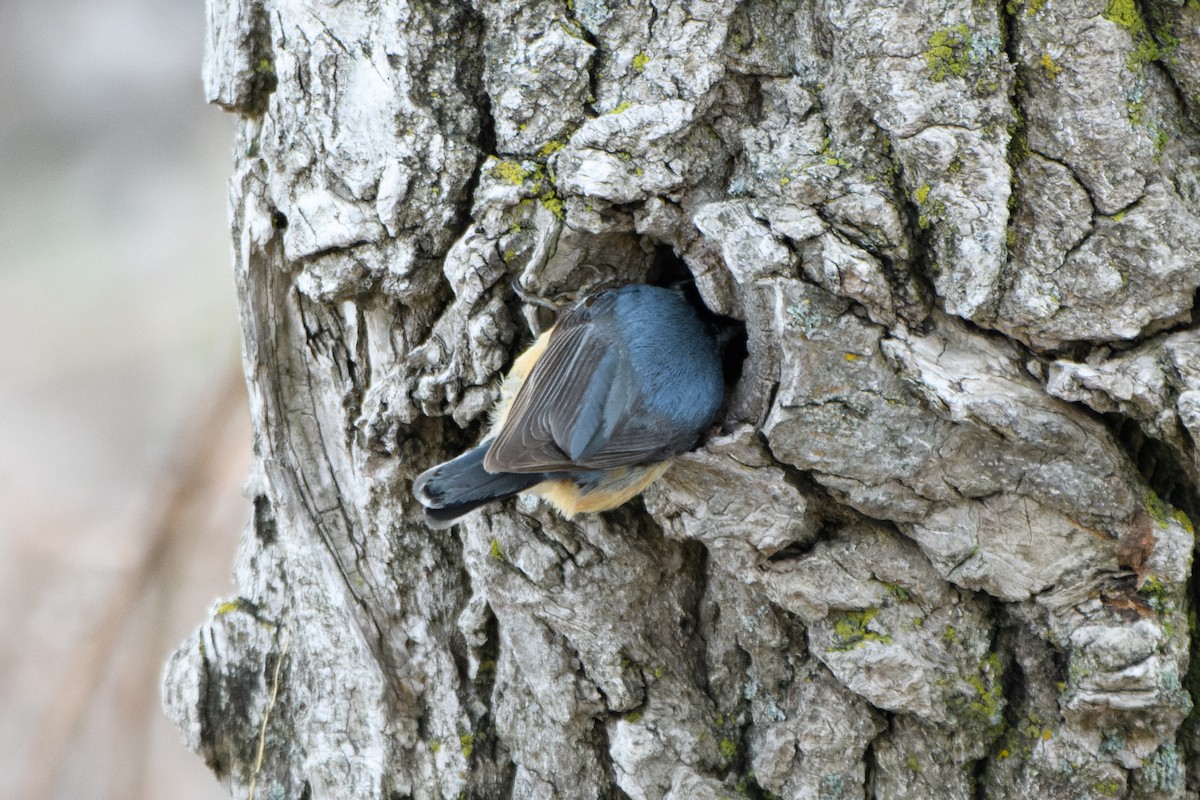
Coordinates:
column 550, row 148
column 1108, row 788
column 633, row 717
column 435, row 745
column 1125, row 14
column 948, row 52
column 497, row 551
column 1144, row 51
column 510, row 172
column 229, row 606
column 1164, row 769
column 1153, row 590
column 894, row 589
column 467, row 744
column 1136, row 109
column 1052, row 67
column 912, row 764
column 1161, row 137
column 949, row 635
column 851, row 630
column 1146, row 48
column 728, row 749
column 572, row 28
column 832, row 159
column 922, row 193
column 552, row 203
column 987, row 706
column 1154, row 507
column 832, row 786
column 1185, row 521
column 624, row 105
column 1077, row 671
column 805, row 316
column 1034, row 7
column 640, row 61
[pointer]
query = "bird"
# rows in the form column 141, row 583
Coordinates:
column 593, row 412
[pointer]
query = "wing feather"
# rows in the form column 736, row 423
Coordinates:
column 579, row 407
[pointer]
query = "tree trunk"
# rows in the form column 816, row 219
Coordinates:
column 941, row 547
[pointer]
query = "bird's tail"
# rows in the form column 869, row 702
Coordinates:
column 450, row 490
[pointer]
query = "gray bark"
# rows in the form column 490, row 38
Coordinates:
column 941, row 548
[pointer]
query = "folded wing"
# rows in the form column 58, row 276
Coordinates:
column 580, row 406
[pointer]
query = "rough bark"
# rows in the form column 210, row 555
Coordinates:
column 941, row 548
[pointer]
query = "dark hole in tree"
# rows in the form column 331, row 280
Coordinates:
column 1157, row 463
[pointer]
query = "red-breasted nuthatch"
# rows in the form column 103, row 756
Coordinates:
column 590, row 415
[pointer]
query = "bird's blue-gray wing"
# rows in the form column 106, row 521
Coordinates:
column 580, row 406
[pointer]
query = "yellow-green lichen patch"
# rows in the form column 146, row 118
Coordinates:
column 832, row 159
column 921, row 193
column 552, row 203
column 624, row 105
column 466, row 744
column 640, row 61
column 1160, row 137
column 1146, row 48
column 1125, row 14
column 948, row 52
column 228, row 607
column 1155, row 507
column 497, row 551
column 550, row 148
column 728, row 749
column 510, row 172
column 851, row 629
column 1051, row 67
column 987, row 706
column 894, row 589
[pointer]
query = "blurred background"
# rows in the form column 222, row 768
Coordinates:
column 124, row 438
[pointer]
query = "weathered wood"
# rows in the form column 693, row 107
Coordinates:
column 942, row 547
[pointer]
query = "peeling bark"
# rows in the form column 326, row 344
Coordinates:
column 942, row 547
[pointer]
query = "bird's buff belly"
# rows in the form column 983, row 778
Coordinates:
column 616, row 487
